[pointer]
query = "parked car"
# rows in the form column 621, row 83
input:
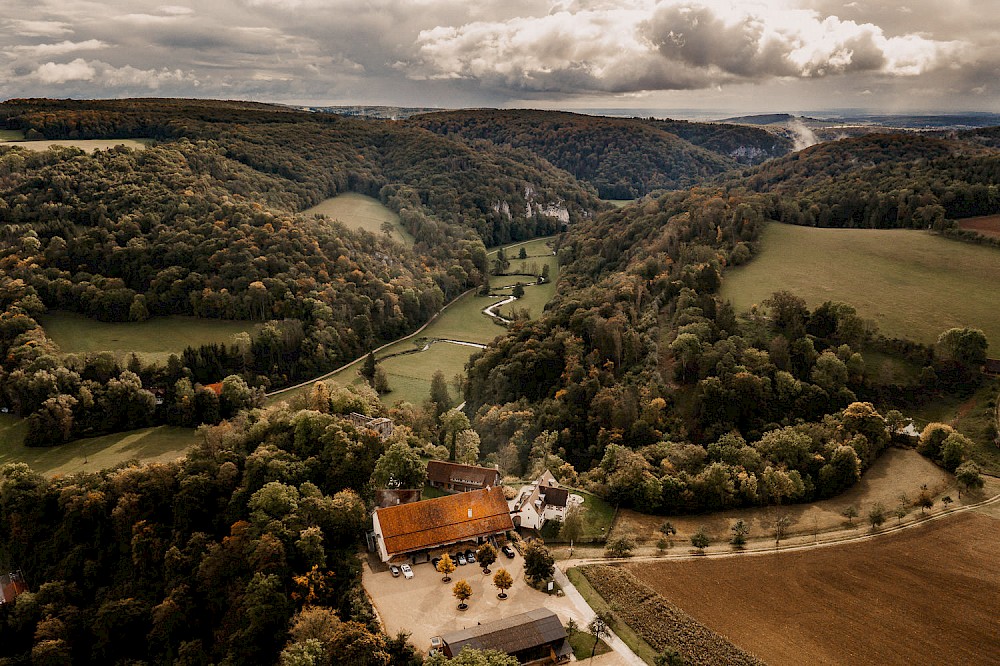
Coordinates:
column 436, row 642
column 434, row 562
column 407, row 571
column 461, row 559
column 470, row 556
column 508, row 551
column 395, row 570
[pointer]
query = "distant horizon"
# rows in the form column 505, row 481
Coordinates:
column 691, row 114
column 700, row 58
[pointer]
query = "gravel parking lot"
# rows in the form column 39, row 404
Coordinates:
column 425, row 607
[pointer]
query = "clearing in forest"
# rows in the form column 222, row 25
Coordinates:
column 930, row 594
column 914, row 284
column 152, row 340
column 86, row 145
column 159, row 444
column 357, row 211
column 896, row 472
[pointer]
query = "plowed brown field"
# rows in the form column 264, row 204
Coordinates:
column 928, row 595
column 988, row 225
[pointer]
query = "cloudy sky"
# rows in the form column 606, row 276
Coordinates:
column 717, row 55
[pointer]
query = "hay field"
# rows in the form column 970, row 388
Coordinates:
column 153, row 340
column 358, row 211
column 927, row 595
column 87, row 145
column 913, row 283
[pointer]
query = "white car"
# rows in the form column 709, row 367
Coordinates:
column 407, row 571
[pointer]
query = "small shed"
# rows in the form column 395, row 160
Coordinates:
column 536, row 637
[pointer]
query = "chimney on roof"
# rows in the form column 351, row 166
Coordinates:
column 470, row 512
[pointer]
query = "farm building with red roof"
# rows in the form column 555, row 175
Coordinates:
column 412, row 529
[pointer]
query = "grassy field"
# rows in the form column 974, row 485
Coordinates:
column 88, row 145
column 597, row 520
column 360, row 212
column 158, row 444
column 410, row 375
column 152, row 340
column 583, row 645
column 11, row 135
column 914, row 284
column 620, row 203
column 925, row 595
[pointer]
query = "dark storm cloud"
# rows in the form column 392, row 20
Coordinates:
column 447, row 52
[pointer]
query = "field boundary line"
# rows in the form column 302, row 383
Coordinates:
column 792, row 548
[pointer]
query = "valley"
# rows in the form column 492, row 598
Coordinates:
column 655, row 363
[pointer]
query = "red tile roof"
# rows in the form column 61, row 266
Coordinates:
column 444, row 520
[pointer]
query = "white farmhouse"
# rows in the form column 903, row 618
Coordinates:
column 541, row 501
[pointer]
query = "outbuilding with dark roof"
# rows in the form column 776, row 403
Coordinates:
column 456, row 478
column 535, row 637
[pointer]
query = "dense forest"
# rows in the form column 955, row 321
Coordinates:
column 242, row 553
column 624, row 158
column 642, row 385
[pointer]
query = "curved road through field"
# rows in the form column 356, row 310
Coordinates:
column 487, row 311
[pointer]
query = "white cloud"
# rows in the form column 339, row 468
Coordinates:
column 29, row 28
column 60, row 48
column 78, row 70
column 100, row 73
column 175, row 10
column 669, row 45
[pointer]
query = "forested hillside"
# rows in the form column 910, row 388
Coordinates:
column 244, row 549
column 204, row 223
column 884, row 180
column 623, row 158
column 643, row 386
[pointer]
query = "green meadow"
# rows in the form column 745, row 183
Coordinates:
column 357, row 211
column 160, row 444
column 914, row 284
column 152, row 340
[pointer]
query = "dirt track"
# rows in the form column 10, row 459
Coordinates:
column 929, row 595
